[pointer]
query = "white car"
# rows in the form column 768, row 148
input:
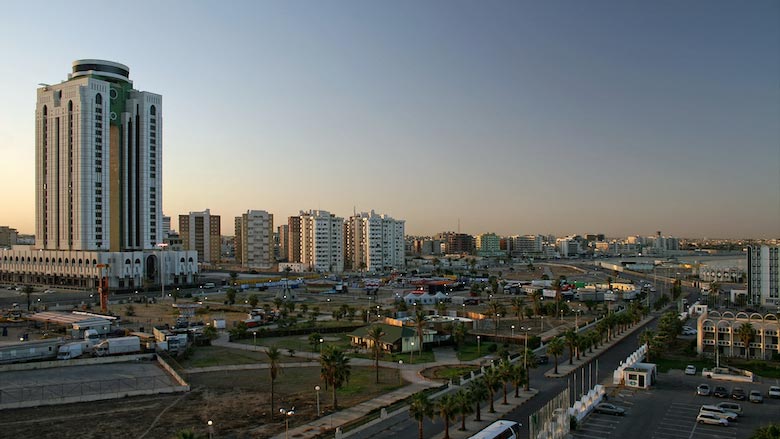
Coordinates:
column 774, row 392
column 690, row 370
column 703, row 390
column 49, row 292
column 708, row 418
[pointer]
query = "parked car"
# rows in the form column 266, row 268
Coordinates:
column 610, row 409
column 731, row 407
column 720, row 392
column 703, row 390
column 49, row 292
column 739, row 394
column 755, row 396
column 774, row 392
column 542, row 359
column 689, row 332
column 708, row 418
column 717, row 411
column 690, row 369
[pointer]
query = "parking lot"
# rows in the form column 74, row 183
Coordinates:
column 669, row 411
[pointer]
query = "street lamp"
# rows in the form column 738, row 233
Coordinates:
column 411, row 354
column 513, row 330
column 317, row 389
column 211, row 428
column 254, row 336
column 322, row 340
column 479, row 353
column 287, row 414
column 577, row 318
column 561, row 315
column 400, row 364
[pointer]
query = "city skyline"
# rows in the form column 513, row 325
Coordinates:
column 513, row 118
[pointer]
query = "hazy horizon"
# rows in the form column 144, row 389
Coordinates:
column 558, row 117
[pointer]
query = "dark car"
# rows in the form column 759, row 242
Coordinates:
column 610, row 409
column 738, row 394
column 542, row 359
column 720, row 392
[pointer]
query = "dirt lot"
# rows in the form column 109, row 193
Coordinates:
column 237, row 402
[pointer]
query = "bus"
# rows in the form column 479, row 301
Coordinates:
column 501, row 429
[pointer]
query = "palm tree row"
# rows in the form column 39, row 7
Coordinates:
column 468, row 399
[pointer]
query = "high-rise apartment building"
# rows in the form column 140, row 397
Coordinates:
column 374, row 242
column 254, row 233
column 322, row 241
column 8, row 236
column 98, row 187
column 488, row 244
column 763, row 275
column 284, row 237
column 294, row 239
column 98, row 162
column 201, row 231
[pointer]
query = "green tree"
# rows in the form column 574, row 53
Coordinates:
column 335, row 370
column 419, row 323
column 746, row 332
column 459, row 332
column 479, row 392
column 495, row 309
column 648, row 337
column 420, row 408
column 274, row 368
column 492, row 380
column 536, row 298
column 572, row 339
column 447, row 409
column 518, row 306
column 27, row 291
column 441, row 308
column 463, row 401
column 375, row 334
column 239, row 331
column 233, row 278
column 210, row 332
column 230, row 296
column 314, row 340
column 188, row 434
column 253, row 300
column 771, row 431
column 529, row 362
column 555, row 348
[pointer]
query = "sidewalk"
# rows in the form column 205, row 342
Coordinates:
column 473, row 426
column 566, row 368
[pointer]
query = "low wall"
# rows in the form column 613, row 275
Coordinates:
column 185, row 387
column 75, row 362
column 87, row 398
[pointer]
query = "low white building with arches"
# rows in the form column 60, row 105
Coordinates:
column 720, row 329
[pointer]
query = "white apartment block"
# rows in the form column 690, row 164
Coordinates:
column 374, row 242
column 322, row 241
column 722, row 330
column 763, row 276
column 255, row 232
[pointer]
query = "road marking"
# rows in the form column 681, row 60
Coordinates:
column 587, row 436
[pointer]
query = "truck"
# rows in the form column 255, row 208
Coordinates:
column 70, row 351
column 117, row 346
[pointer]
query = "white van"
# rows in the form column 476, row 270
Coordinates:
column 208, row 285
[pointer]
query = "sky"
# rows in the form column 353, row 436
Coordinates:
column 514, row 117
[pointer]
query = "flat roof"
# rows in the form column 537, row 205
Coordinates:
column 63, row 318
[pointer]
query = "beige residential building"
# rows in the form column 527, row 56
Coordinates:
column 200, row 231
column 721, row 329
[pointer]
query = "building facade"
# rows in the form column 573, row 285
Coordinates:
column 294, row 239
column 8, row 236
column 201, row 232
column 489, row 244
column 322, row 241
column 722, row 330
column 255, row 233
column 374, row 242
column 763, row 275
column 98, row 187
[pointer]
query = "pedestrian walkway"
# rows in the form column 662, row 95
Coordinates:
column 472, row 426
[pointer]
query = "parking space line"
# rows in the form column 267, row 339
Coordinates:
column 587, row 436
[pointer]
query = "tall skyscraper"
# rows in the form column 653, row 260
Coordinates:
column 98, row 187
column 322, row 241
column 98, row 162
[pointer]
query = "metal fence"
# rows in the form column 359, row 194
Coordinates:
column 50, row 393
column 552, row 420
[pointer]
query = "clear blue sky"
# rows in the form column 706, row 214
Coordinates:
column 619, row 117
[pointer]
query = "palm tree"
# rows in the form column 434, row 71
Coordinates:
column 274, row 358
column 419, row 319
column 529, row 361
column 334, row 370
column 536, row 298
column 479, row 392
column 517, row 307
column 441, row 308
column 505, row 372
column 746, row 332
column 463, row 400
column 27, row 290
column 375, row 334
column 555, row 348
column 492, row 379
column 495, row 310
column 459, row 332
column 583, row 343
column 447, row 408
column 572, row 339
column 420, row 408
column 647, row 337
